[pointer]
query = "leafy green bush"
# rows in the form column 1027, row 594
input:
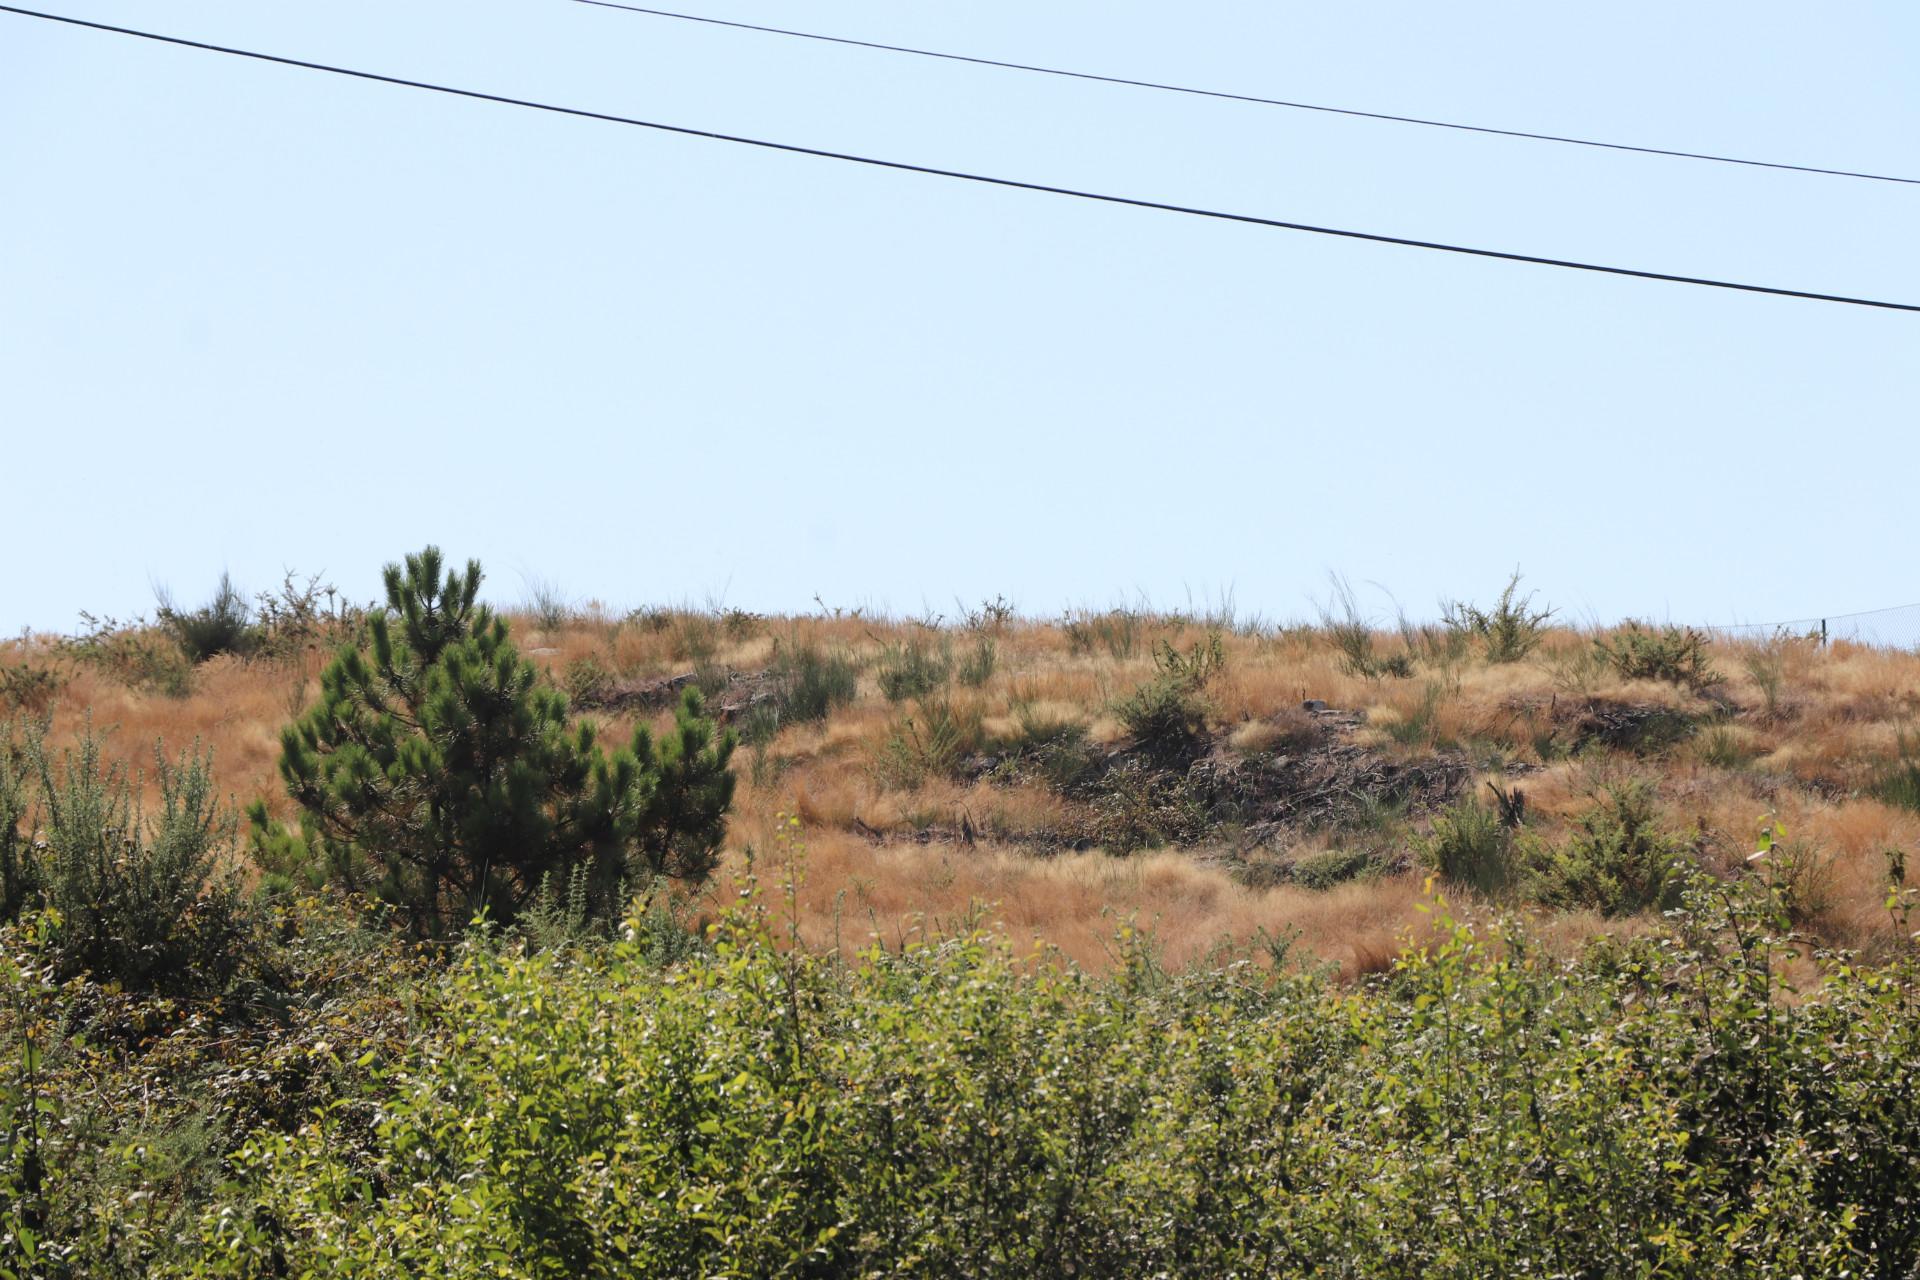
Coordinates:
column 1677, row 655
column 438, row 771
column 1655, row 1109
column 1509, row 631
column 120, row 1109
column 1618, row 861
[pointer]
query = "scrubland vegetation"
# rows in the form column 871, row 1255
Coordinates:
column 413, row 940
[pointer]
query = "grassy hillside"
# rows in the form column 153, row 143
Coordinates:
column 1057, row 770
column 1122, row 943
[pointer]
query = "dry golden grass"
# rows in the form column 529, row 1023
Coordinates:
column 1810, row 739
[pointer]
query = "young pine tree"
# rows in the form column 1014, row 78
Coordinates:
column 437, row 771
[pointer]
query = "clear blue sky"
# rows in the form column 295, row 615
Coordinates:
column 253, row 317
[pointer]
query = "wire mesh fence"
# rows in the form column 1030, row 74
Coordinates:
column 1895, row 628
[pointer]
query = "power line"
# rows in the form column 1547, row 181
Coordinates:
column 1239, row 97
column 961, row 175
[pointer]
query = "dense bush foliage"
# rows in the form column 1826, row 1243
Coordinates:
column 1655, row 1109
column 1618, row 859
column 145, row 901
column 440, row 772
column 224, row 624
column 1508, row 631
column 1167, row 715
column 1677, row 655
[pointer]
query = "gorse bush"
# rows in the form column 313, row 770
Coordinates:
column 440, row 773
column 1677, row 655
column 29, row 688
column 1507, row 632
column 119, row 1109
column 1330, row 867
column 150, row 902
column 1167, row 716
column 1469, row 846
column 1618, row 860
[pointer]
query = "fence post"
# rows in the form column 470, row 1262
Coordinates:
column 1823, row 633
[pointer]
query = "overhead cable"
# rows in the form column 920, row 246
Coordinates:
column 1238, row 97
column 963, row 176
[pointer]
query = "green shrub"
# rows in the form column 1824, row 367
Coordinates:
column 1677, row 655
column 438, row 771
column 933, row 742
column 1656, row 1108
column 20, row 868
column 1618, row 861
column 1509, row 631
column 1167, row 715
column 135, row 654
column 1330, row 867
column 225, row 624
column 588, row 680
column 976, row 667
column 148, row 902
column 29, row 688
column 809, row 683
column 306, row 614
column 1057, row 748
column 1469, row 846
column 912, row 669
